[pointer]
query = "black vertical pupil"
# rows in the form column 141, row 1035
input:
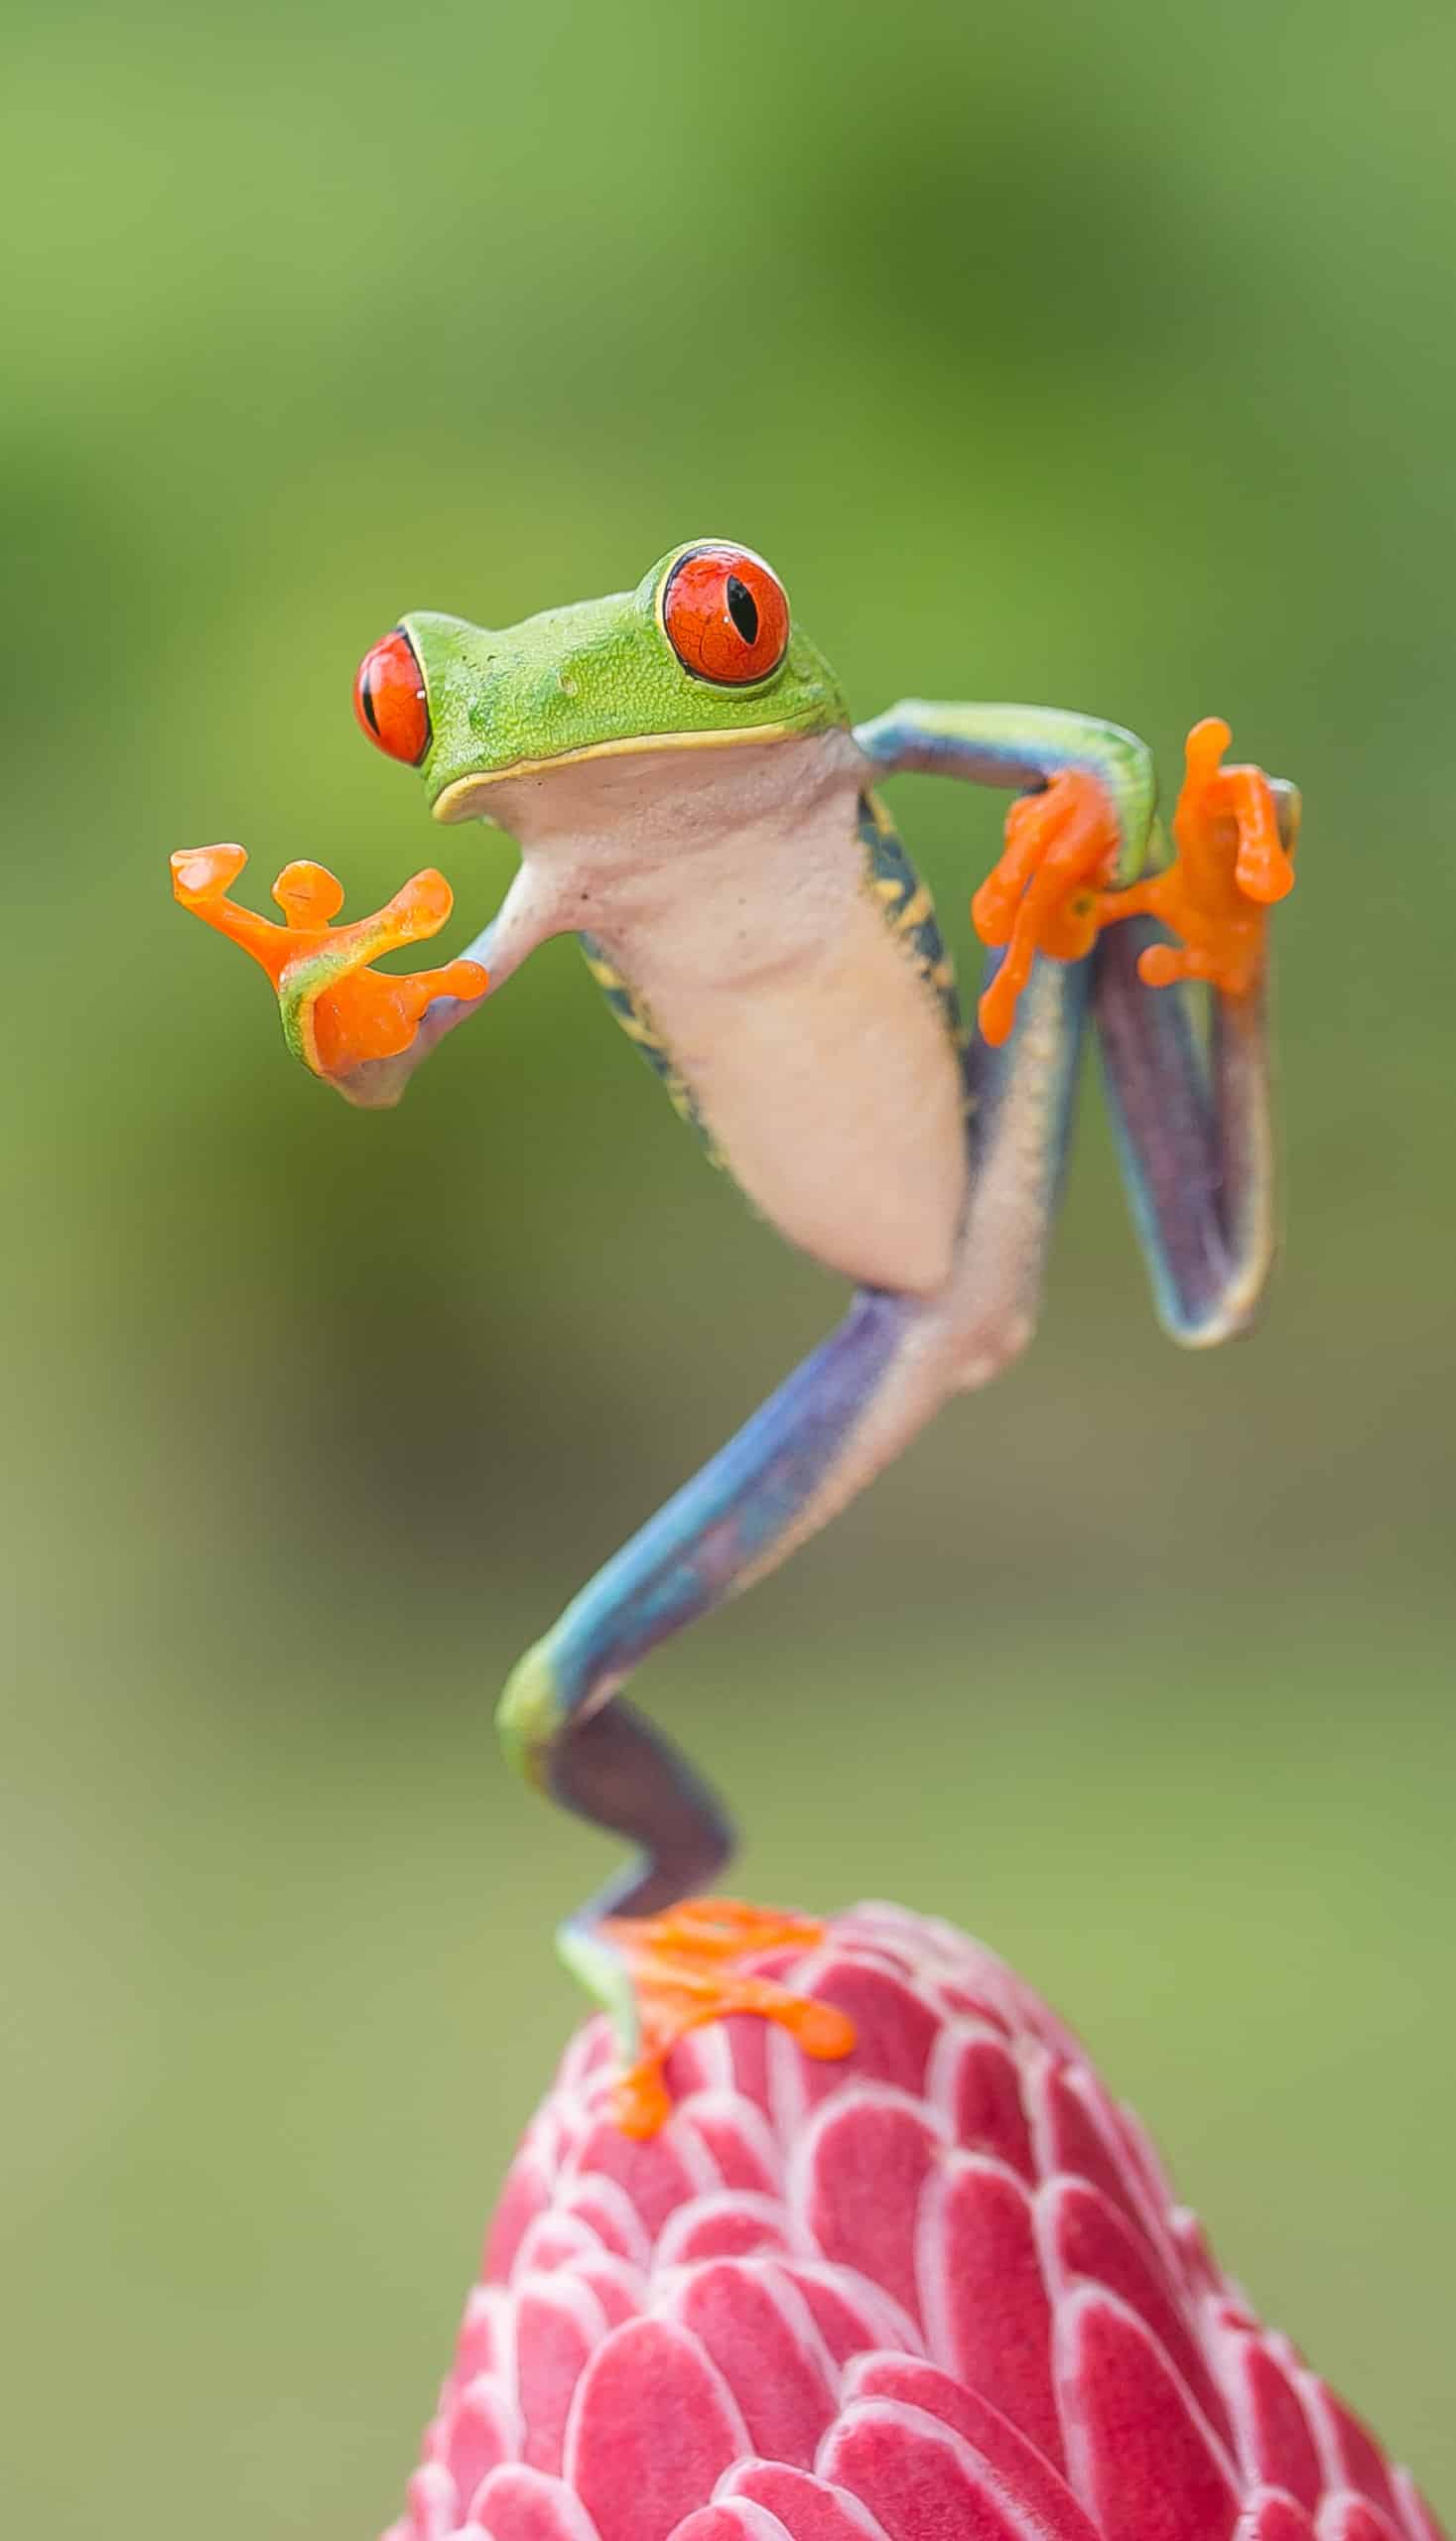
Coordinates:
column 742, row 608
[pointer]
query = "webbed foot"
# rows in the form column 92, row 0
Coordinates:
column 1231, row 867
column 1043, row 894
column 663, row 1975
column 338, row 1014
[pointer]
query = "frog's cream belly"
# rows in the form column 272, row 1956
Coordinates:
column 830, row 1086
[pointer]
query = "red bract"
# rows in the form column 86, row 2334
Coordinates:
column 937, row 2292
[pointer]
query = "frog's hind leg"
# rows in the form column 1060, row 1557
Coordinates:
column 829, row 1429
column 831, row 1426
column 835, row 1423
column 1021, row 1105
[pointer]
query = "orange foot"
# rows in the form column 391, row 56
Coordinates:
column 1231, row 867
column 1043, row 894
column 337, row 1013
column 684, row 1968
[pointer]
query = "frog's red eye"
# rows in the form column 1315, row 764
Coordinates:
column 389, row 699
column 726, row 614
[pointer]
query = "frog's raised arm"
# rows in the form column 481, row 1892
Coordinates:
column 1192, row 1113
column 362, row 1030
column 1022, row 748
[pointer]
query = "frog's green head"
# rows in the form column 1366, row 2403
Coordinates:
column 703, row 652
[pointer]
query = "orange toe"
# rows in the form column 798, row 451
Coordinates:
column 309, row 896
column 198, row 872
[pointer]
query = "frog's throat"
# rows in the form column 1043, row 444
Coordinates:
column 457, row 801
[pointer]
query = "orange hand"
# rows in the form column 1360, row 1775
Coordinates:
column 342, row 1013
column 1042, row 895
column 683, row 1974
column 1231, row 867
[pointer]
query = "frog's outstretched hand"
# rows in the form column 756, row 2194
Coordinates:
column 344, row 1020
column 1046, row 892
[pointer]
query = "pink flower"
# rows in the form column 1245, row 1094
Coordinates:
column 937, row 2292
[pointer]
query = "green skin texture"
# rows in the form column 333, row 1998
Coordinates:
column 599, row 680
column 598, row 672
column 602, row 674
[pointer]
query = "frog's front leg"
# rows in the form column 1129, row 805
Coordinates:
column 815, row 1442
column 1089, row 789
column 1194, row 1131
column 362, row 1030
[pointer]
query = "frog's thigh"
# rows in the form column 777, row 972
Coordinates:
column 818, row 1440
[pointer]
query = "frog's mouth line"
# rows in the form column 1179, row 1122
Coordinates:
column 457, row 801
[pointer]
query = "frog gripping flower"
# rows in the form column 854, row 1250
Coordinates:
column 692, row 801
column 939, row 2291
column 830, row 2233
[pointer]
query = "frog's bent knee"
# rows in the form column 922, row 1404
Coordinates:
column 531, row 1712
column 991, row 1345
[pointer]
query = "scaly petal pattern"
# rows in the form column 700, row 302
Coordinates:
column 937, row 2292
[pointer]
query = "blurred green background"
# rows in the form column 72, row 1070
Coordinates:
column 1100, row 355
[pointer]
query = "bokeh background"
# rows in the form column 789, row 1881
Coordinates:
column 1097, row 354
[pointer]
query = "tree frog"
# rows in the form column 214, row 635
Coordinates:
column 693, row 802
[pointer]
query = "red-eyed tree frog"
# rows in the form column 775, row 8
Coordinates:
column 692, row 801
